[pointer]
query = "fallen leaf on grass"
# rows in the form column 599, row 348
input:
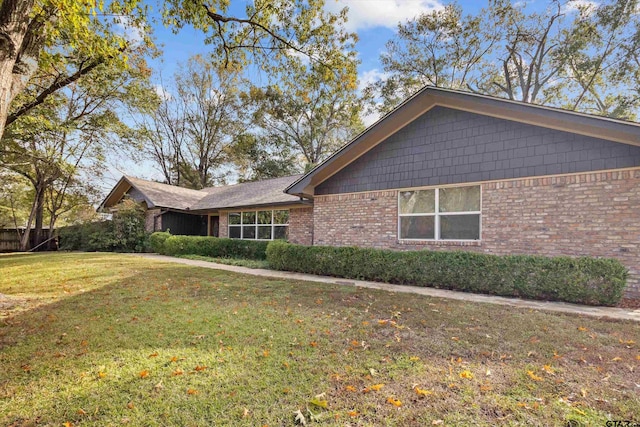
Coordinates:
column 533, row 376
column 376, row 387
column 350, row 388
column 199, row 368
column 455, row 338
column 153, row 355
column 394, row 402
column 81, row 412
column 582, row 329
column 192, row 391
column 353, row 413
column 548, row 369
column 143, row 374
column 414, row 358
column 130, row 405
column 422, row 393
column 102, row 374
column 313, row 344
column 67, row 424
column 616, row 359
column 437, row 422
column 319, row 403
column 177, row 372
column 299, row 418
column 466, row 374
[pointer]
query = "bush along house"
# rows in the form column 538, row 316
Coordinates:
column 445, row 170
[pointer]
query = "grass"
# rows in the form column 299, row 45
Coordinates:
column 106, row 339
column 249, row 263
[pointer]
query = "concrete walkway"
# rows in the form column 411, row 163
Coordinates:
column 602, row 312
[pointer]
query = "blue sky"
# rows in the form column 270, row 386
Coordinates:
column 374, row 21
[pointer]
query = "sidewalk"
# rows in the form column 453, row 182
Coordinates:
column 603, row 312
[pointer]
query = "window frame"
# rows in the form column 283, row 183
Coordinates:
column 436, row 214
column 256, row 224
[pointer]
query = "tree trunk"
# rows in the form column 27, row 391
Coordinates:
column 6, row 79
column 19, row 48
column 38, row 201
column 37, row 231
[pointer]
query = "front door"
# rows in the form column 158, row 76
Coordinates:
column 214, row 226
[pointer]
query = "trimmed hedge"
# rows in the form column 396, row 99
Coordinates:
column 157, row 239
column 593, row 281
column 214, row 247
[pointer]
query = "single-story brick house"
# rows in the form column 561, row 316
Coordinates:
column 458, row 171
column 251, row 210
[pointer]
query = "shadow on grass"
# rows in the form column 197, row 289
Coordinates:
column 165, row 344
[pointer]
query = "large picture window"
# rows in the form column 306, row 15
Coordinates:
column 451, row 213
column 259, row 225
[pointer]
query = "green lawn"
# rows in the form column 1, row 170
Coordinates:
column 110, row 340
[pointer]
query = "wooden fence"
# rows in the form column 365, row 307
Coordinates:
column 10, row 239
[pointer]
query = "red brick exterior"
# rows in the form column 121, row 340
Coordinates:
column 301, row 226
column 590, row 214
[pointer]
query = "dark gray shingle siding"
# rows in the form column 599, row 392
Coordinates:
column 447, row 146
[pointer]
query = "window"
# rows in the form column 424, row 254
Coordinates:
column 451, row 213
column 259, row 225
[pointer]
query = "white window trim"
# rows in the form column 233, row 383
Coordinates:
column 437, row 215
column 242, row 225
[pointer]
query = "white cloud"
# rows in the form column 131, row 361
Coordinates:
column 370, row 117
column 365, row 14
column 370, row 76
column 162, row 93
column 366, row 78
column 582, row 6
column 133, row 34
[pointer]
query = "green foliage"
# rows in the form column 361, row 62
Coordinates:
column 83, row 237
column 582, row 280
column 128, row 227
column 214, row 247
column 576, row 55
column 311, row 106
column 124, row 233
column 157, row 239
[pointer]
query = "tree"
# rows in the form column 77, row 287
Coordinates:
column 32, row 31
column 257, row 160
column 561, row 56
column 189, row 133
column 29, row 27
column 313, row 106
column 14, row 200
column 68, row 133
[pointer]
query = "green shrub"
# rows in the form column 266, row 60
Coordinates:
column 593, row 281
column 214, row 247
column 156, row 241
column 124, row 233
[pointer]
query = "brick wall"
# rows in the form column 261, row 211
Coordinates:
column 591, row 214
column 224, row 224
column 301, row 226
column 150, row 216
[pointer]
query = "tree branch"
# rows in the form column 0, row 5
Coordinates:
column 57, row 85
